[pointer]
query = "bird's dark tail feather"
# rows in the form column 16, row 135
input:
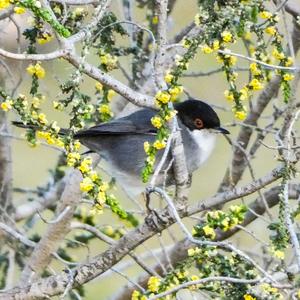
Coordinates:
column 62, row 131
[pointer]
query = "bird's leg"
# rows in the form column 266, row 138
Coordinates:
column 152, row 214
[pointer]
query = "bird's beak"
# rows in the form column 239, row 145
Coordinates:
column 222, row 130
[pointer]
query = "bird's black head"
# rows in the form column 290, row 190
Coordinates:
column 197, row 115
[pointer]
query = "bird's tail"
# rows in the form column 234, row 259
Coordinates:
column 62, row 131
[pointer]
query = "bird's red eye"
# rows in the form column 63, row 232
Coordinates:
column 198, row 123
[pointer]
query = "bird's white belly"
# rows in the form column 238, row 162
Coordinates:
column 206, row 141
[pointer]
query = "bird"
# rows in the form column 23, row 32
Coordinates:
column 120, row 143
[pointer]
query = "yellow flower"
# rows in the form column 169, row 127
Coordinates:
column 265, row 14
column 19, row 10
column 101, row 197
column 278, row 254
column 206, row 49
column 186, row 43
column 226, row 36
column 104, row 109
column 159, row 145
column 4, row 4
column 191, row 252
column 278, row 55
column 216, row 45
column 57, row 105
column 77, row 145
column 249, row 297
column 162, row 96
column 45, row 38
column 176, row 90
column 146, row 146
column 7, row 105
column 271, row 30
column 110, row 94
column 86, row 185
column 209, row 232
column 232, row 60
column 93, row 175
column 153, row 284
column 168, row 77
column 37, row 70
column 104, row 187
column 244, row 93
column 42, row 119
column 194, row 278
column 170, row 115
column 229, row 95
column 135, row 295
column 156, row 122
column 72, row 158
column 36, row 102
column 289, row 61
column 109, row 61
column 254, row 70
column 247, row 36
column 197, row 20
column 256, row 84
column 288, row 77
column 99, row 86
column 155, row 20
column 240, row 115
column 85, row 165
column 225, row 224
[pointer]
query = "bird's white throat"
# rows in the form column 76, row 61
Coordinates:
column 206, row 142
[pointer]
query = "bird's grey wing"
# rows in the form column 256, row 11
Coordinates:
column 136, row 123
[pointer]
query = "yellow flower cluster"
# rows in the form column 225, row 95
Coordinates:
column 109, row 61
column 249, row 297
column 99, row 86
column 42, row 119
column 277, row 253
column 86, row 184
column 197, row 20
column 175, row 91
column 4, row 4
column 19, row 10
column 44, row 38
column 153, row 284
column 162, row 97
column 271, row 30
column 265, row 14
column 227, row 36
column 288, row 77
column 193, row 251
column 254, row 69
column 50, row 139
column 110, row 94
column 229, row 95
column 136, row 295
column 36, row 70
column 209, row 232
column 6, row 105
column 159, row 145
column 168, row 78
column 156, row 122
column 73, row 158
column 85, row 165
column 256, row 85
column 278, row 55
column 105, row 109
column 240, row 115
